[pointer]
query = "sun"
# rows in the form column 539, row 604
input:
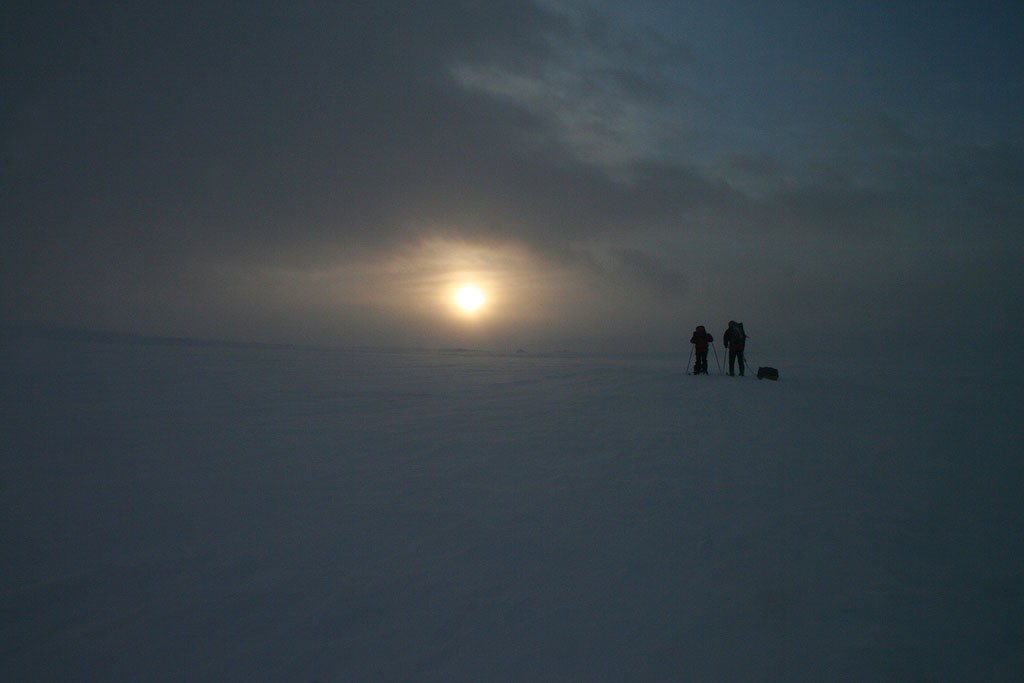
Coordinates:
column 469, row 298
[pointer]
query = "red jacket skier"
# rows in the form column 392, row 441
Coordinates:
column 700, row 340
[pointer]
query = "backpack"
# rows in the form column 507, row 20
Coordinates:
column 767, row 373
column 700, row 338
column 738, row 336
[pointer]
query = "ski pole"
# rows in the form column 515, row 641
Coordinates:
column 717, row 362
column 688, row 360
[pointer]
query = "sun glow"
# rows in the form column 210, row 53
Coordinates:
column 469, row 298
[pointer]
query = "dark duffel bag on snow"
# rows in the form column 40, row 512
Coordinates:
column 767, row 373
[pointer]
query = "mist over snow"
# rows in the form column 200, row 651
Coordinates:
column 185, row 511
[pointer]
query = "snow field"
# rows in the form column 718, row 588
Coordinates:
column 199, row 512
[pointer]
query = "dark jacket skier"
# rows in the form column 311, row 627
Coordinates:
column 735, row 339
column 700, row 341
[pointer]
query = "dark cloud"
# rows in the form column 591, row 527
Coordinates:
column 635, row 266
column 878, row 131
column 203, row 166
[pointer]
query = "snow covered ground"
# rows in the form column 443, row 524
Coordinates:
column 196, row 512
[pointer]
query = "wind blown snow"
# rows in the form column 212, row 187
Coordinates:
column 202, row 512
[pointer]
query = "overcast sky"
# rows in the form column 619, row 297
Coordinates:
column 610, row 174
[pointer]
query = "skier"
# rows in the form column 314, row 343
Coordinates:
column 700, row 341
column 735, row 339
